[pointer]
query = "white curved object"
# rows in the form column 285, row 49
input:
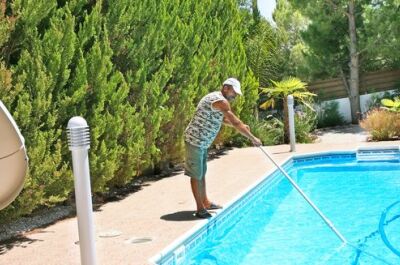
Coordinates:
column 13, row 159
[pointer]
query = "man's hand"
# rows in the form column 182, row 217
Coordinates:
column 256, row 141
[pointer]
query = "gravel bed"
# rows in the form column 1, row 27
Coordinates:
column 26, row 224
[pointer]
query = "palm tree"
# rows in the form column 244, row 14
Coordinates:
column 280, row 91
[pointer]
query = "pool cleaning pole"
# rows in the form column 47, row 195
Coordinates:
column 326, row 220
column 79, row 143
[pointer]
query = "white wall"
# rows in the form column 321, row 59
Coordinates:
column 344, row 104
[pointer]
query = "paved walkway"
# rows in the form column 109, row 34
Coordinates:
column 342, row 134
column 162, row 210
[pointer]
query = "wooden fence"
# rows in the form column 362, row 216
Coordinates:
column 369, row 83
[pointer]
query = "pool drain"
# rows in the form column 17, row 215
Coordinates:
column 110, row 233
column 138, row 240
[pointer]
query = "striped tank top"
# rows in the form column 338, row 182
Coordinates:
column 206, row 122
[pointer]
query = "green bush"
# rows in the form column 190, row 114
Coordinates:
column 375, row 100
column 305, row 123
column 391, row 104
column 329, row 115
column 135, row 70
column 270, row 131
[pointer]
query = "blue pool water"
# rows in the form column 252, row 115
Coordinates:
column 279, row 227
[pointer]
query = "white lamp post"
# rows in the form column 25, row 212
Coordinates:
column 79, row 143
column 292, row 133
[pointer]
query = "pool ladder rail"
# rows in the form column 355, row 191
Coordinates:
column 378, row 153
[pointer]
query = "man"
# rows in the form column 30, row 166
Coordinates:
column 212, row 110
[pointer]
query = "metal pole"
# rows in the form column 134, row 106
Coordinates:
column 326, row 220
column 79, row 143
column 292, row 133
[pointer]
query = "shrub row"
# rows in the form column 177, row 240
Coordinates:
column 135, row 69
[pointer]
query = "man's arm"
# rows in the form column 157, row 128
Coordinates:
column 230, row 118
column 226, row 122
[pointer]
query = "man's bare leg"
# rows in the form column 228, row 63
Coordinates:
column 197, row 193
column 206, row 201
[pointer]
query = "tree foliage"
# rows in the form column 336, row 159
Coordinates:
column 381, row 37
column 326, row 36
column 344, row 38
column 290, row 23
column 264, row 45
column 327, row 41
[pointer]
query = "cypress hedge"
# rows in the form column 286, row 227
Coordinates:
column 134, row 69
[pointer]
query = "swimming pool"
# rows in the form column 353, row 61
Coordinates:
column 272, row 224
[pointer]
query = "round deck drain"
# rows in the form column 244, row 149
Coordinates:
column 138, row 240
column 111, row 233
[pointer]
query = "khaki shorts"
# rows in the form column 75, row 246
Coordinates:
column 195, row 161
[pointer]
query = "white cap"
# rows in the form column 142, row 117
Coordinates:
column 235, row 84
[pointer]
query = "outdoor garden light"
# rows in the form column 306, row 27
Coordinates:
column 79, row 143
column 292, row 134
column 13, row 159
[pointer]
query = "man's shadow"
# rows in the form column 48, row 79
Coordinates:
column 180, row 216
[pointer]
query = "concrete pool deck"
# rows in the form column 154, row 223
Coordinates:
column 162, row 210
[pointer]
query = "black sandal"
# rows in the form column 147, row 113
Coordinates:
column 203, row 214
column 214, row 206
